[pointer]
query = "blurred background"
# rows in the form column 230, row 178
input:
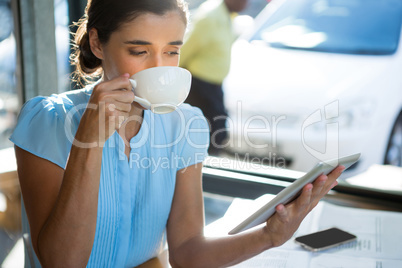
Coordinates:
column 309, row 80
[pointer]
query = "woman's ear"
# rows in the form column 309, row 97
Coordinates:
column 95, row 44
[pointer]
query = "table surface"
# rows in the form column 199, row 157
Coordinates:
column 162, row 261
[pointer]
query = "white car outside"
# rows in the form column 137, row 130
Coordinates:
column 292, row 96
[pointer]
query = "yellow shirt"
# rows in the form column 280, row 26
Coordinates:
column 207, row 47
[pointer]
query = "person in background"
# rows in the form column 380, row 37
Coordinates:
column 206, row 54
column 91, row 195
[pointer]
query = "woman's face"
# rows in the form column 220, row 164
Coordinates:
column 149, row 40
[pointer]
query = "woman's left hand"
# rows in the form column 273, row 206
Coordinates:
column 284, row 223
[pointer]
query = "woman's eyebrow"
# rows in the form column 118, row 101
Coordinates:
column 137, row 42
column 176, row 43
column 144, row 43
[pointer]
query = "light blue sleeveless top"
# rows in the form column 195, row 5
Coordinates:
column 135, row 194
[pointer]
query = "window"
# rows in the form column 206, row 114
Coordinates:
column 13, row 93
column 9, row 104
column 62, row 22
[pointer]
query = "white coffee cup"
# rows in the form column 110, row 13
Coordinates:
column 161, row 89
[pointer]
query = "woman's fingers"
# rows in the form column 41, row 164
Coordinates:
column 123, row 95
column 119, row 83
column 320, row 186
column 304, row 200
column 117, row 89
column 282, row 211
column 331, row 180
column 336, row 172
column 110, row 105
column 324, row 183
column 313, row 193
column 113, row 105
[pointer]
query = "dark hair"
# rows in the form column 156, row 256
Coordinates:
column 106, row 16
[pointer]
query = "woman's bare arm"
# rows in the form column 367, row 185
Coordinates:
column 62, row 205
column 189, row 248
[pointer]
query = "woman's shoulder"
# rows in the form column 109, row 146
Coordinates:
column 74, row 99
column 55, row 104
column 46, row 125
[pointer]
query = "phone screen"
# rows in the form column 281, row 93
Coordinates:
column 325, row 239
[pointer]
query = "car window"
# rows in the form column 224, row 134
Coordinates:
column 339, row 26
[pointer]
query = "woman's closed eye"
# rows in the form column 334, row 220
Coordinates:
column 173, row 53
column 137, row 52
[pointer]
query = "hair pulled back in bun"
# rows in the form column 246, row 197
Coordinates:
column 106, row 16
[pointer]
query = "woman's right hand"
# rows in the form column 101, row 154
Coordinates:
column 108, row 107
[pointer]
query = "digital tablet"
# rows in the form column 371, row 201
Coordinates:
column 293, row 190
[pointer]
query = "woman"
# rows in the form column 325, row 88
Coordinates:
column 89, row 197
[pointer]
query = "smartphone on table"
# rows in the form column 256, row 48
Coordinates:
column 325, row 239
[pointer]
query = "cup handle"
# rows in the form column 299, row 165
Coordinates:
column 143, row 102
column 133, row 83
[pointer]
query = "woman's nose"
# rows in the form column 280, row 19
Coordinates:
column 155, row 61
